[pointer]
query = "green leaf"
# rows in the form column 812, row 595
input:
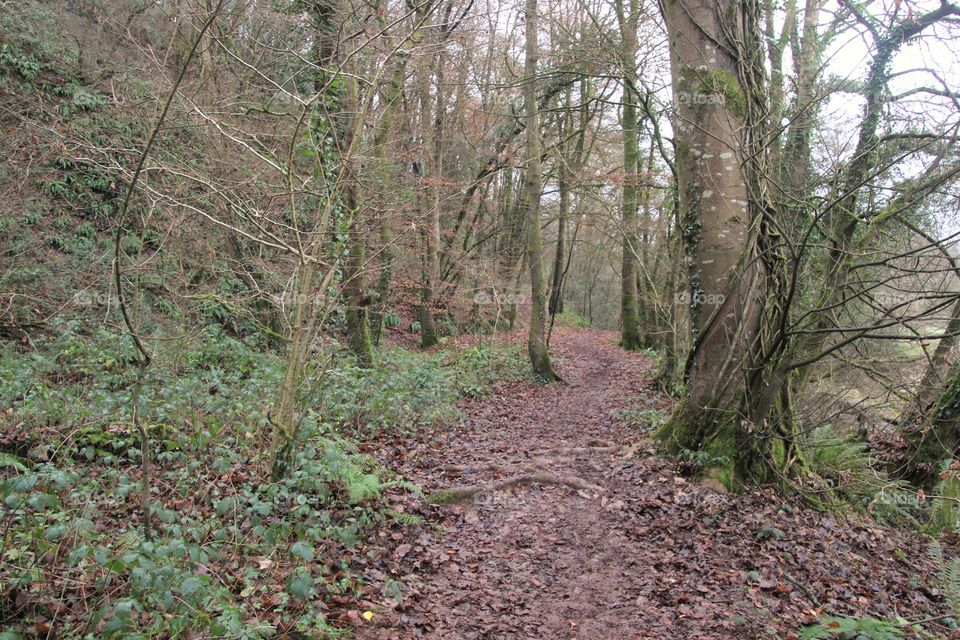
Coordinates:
column 77, row 554
column 302, row 550
column 165, row 515
column 191, row 585
column 225, row 505
column 55, row 532
column 41, row 501
column 300, row 584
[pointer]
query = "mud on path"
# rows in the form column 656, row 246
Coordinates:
column 624, row 547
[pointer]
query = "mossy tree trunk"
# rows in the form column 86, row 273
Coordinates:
column 709, row 45
column 571, row 161
column 430, row 196
column 354, row 289
column 332, row 129
column 354, row 273
column 937, row 438
column 536, row 338
column 646, row 293
column 794, row 169
column 932, row 424
column 844, row 218
column 628, row 18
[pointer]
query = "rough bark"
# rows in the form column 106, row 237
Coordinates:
column 937, row 438
column 716, row 218
column 795, row 162
column 391, row 98
column 630, row 337
column 536, row 338
column 354, row 273
column 429, row 201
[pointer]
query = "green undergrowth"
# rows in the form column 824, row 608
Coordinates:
column 233, row 553
column 76, row 384
column 645, row 412
column 826, row 472
column 841, row 627
column 572, row 319
column 407, row 389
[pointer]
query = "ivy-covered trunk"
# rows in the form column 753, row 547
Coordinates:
column 932, row 424
column 719, row 218
column 936, row 438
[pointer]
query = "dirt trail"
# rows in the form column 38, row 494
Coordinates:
column 650, row 555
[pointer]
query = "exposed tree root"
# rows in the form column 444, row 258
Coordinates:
column 506, row 468
column 578, row 451
column 461, row 494
column 626, row 450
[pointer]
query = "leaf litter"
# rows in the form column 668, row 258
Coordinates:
column 649, row 554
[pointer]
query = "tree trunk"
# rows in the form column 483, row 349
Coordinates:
column 937, row 438
column 630, row 337
column 716, row 218
column 391, row 99
column 433, row 148
column 795, row 164
column 536, row 339
column 354, row 273
column 563, row 186
column 932, row 425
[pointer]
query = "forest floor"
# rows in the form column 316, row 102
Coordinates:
column 590, row 535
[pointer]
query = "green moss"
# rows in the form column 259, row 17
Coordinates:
column 716, row 442
column 445, row 496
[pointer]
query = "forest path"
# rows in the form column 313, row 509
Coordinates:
column 647, row 554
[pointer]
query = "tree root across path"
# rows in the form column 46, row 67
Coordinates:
column 529, row 472
column 464, row 493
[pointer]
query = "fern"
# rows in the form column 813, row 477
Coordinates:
column 846, row 627
column 948, row 572
column 406, row 519
column 846, row 467
column 362, row 487
column 406, row 485
column 391, row 319
column 944, row 511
